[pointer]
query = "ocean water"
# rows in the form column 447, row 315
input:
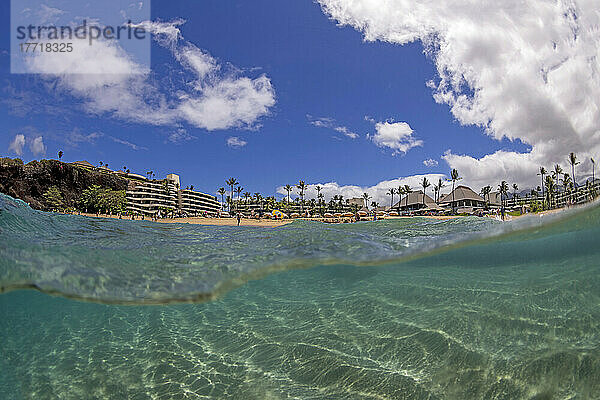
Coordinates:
column 398, row 309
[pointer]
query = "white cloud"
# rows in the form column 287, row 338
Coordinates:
column 180, row 135
column 110, row 83
column 397, row 136
column 17, row 144
column 37, row 146
column 48, row 15
column 133, row 146
column 430, row 162
column 75, row 137
column 330, row 123
column 236, row 142
column 377, row 192
column 520, row 70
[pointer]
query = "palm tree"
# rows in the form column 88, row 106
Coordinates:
column 288, row 189
column 542, row 173
column 318, row 189
column 239, row 190
column 566, row 182
column 191, row 187
column 454, row 177
column 258, row 199
column 556, row 175
column 549, row 189
column 407, row 191
column 366, row 198
column 573, row 161
column 60, row 154
column 340, row 202
column 503, row 189
column 485, row 192
column 593, row 169
column 392, row 192
column 221, row 191
column 438, row 190
column 321, row 197
column 231, row 182
column 400, row 192
column 247, row 195
column 301, row 186
column 425, row 185
column 515, row 188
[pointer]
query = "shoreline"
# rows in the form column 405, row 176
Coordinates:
column 272, row 223
column 267, row 223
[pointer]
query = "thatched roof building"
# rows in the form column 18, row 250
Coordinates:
column 414, row 201
column 462, row 196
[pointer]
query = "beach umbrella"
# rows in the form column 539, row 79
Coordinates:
column 277, row 214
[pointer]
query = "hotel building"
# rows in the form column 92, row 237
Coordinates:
column 195, row 203
column 148, row 197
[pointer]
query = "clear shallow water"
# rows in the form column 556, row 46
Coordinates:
column 511, row 316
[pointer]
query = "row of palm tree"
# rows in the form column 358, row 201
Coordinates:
column 550, row 184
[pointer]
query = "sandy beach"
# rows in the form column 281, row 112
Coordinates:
column 267, row 223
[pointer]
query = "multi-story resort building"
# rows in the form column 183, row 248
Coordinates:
column 152, row 197
column 164, row 197
column 195, row 203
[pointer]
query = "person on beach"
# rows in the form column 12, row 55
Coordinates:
column 239, row 218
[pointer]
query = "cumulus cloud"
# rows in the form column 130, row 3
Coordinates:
column 206, row 95
column 235, row 142
column 377, row 192
column 520, row 70
column 17, row 144
column 36, row 145
column 397, row 136
column 330, row 123
column 430, row 162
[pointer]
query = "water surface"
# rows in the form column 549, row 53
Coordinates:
column 417, row 308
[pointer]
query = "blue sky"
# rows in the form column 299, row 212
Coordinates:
column 323, row 76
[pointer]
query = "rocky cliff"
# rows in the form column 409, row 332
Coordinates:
column 30, row 181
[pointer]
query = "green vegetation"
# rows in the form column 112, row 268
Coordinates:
column 53, row 198
column 98, row 199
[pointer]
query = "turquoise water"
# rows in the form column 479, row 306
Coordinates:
column 415, row 309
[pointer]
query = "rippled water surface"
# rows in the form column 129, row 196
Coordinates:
column 414, row 308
